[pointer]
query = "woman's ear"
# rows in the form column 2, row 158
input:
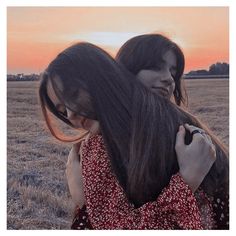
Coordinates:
column 95, row 128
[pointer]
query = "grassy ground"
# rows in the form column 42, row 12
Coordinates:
column 209, row 100
column 37, row 192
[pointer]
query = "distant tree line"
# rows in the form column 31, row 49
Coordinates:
column 218, row 69
column 215, row 70
column 22, row 77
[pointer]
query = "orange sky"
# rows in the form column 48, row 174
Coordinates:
column 37, row 34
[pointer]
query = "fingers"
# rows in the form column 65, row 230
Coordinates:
column 204, row 137
column 200, row 135
column 212, row 146
column 73, row 155
column 180, row 137
column 191, row 128
column 213, row 152
column 208, row 138
column 76, row 147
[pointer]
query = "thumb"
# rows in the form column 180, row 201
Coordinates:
column 76, row 147
column 180, row 137
column 74, row 153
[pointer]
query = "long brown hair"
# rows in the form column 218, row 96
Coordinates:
column 146, row 51
column 138, row 127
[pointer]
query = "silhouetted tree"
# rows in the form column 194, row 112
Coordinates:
column 219, row 69
column 215, row 69
column 198, row 72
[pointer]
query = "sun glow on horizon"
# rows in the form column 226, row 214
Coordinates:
column 35, row 37
column 111, row 39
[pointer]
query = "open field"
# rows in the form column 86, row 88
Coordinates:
column 37, row 192
column 209, row 101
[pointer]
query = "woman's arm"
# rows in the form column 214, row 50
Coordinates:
column 195, row 160
column 109, row 208
column 74, row 169
column 175, row 207
column 74, row 176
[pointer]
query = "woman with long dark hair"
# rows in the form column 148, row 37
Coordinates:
column 158, row 63
column 148, row 56
column 134, row 154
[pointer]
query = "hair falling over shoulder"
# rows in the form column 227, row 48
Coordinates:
column 153, row 159
column 138, row 127
column 146, row 51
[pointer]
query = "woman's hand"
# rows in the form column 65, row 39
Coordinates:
column 195, row 160
column 74, row 176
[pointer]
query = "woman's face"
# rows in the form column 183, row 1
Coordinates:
column 161, row 80
column 77, row 121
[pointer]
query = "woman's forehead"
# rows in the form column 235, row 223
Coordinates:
column 170, row 57
column 73, row 96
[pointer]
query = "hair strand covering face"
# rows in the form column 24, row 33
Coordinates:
column 138, row 127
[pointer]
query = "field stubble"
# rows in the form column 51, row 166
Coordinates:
column 37, row 191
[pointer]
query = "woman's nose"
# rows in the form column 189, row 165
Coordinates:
column 167, row 77
column 70, row 114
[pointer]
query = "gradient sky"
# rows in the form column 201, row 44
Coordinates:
column 37, row 34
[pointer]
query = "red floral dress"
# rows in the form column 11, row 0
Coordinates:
column 107, row 206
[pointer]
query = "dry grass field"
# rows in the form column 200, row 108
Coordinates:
column 37, row 192
column 209, row 101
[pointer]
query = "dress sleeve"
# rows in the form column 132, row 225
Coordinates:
column 109, row 208
column 81, row 220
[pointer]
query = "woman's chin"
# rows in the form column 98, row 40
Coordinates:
column 77, row 125
column 87, row 125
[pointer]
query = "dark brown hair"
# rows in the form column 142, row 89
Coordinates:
column 138, row 127
column 146, row 51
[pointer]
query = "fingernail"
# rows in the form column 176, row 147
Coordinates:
column 181, row 127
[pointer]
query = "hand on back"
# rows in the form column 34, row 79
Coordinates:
column 74, row 175
column 196, row 159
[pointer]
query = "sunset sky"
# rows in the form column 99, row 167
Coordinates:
column 37, row 34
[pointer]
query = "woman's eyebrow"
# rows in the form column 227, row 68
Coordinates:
column 58, row 105
column 161, row 60
column 173, row 66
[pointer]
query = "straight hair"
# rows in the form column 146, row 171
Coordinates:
column 146, row 52
column 138, row 127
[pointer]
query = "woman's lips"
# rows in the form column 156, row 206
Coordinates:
column 78, row 123
column 161, row 91
column 83, row 120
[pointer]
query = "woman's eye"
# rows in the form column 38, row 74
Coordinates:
column 64, row 113
column 173, row 72
column 61, row 109
column 158, row 68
